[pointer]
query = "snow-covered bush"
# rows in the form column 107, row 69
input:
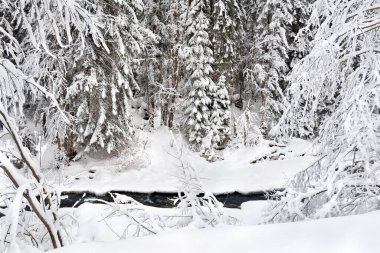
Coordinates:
column 135, row 156
column 220, row 121
column 245, row 127
column 220, row 118
column 22, row 225
column 203, row 208
column 139, row 222
column 200, row 207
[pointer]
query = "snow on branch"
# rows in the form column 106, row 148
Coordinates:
column 335, row 95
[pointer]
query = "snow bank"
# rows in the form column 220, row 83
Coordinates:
column 351, row 234
column 234, row 173
column 93, row 222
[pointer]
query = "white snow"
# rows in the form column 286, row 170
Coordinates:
column 350, row 234
column 93, row 222
column 234, row 173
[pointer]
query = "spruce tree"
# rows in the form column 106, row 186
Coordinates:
column 226, row 37
column 220, row 118
column 198, row 59
column 34, row 37
column 171, row 61
column 98, row 92
column 155, row 55
column 220, row 113
column 270, row 59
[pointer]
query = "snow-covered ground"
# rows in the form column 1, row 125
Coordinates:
column 350, row 234
column 156, row 168
column 94, row 222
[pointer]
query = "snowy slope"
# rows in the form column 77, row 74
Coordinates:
column 352, row 234
column 234, row 173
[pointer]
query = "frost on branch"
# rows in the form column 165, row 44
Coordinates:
column 32, row 36
column 335, row 92
column 203, row 208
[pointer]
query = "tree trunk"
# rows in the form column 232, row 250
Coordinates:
column 68, row 145
column 175, row 75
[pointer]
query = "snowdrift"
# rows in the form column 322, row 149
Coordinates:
column 350, row 234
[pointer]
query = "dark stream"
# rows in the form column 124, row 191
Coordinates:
column 160, row 199
column 156, row 199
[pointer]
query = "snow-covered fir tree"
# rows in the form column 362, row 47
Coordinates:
column 198, row 59
column 335, row 94
column 227, row 37
column 220, row 118
column 98, row 92
column 220, row 112
column 297, row 49
column 52, row 63
column 176, row 63
column 170, row 61
column 270, row 55
column 154, row 18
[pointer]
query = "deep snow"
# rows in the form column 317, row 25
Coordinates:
column 351, row 234
column 156, row 168
column 93, row 223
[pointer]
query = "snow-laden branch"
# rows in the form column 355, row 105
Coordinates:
column 13, row 79
column 43, row 214
column 335, row 94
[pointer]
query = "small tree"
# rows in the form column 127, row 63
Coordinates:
column 193, row 201
column 220, row 118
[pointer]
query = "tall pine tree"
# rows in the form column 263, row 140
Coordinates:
column 100, row 82
column 270, row 59
column 227, row 38
column 198, row 59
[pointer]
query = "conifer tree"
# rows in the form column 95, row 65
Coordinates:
column 220, row 117
column 220, row 112
column 171, row 37
column 176, row 44
column 270, row 59
column 154, row 18
column 34, row 36
column 98, row 92
column 198, row 59
column 226, row 37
